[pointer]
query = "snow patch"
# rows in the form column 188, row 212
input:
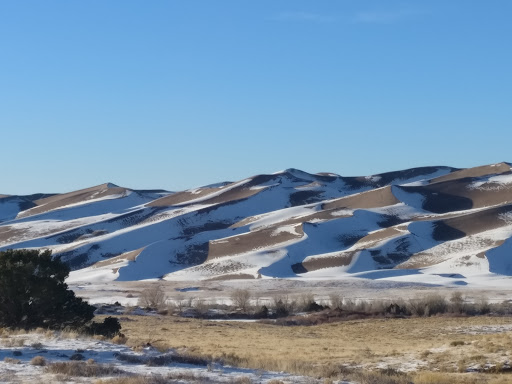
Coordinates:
column 492, row 183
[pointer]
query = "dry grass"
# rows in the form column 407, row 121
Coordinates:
column 119, row 339
column 176, row 377
column 38, row 360
column 10, row 360
column 13, row 342
column 83, row 369
column 454, row 378
column 320, row 350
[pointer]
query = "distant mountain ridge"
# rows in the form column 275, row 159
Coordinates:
column 410, row 224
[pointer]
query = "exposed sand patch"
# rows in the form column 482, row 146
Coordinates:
column 61, row 200
column 386, row 233
column 130, row 256
column 474, row 172
column 179, row 198
column 315, row 263
column 235, row 276
column 377, row 198
column 257, row 240
column 473, row 223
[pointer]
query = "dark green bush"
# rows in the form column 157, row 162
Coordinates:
column 33, row 292
column 109, row 328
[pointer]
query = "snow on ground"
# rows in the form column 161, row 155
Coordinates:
column 278, row 216
column 9, row 208
column 411, row 199
column 500, row 258
column 422, row 179
column 24, row 347
column 214, row 193
column 492, row 183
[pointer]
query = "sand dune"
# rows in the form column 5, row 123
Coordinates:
column 57, row 201
column 474, row 172
column 287, row 224
column 380, row 197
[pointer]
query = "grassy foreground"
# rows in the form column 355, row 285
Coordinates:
column 434, row 349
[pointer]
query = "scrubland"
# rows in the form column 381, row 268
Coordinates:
column 438, row 349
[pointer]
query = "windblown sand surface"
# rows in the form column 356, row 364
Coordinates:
column 420, row 224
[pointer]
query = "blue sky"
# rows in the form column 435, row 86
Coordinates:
column 177, row 94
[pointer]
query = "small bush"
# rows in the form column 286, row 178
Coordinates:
column 184, row 358
column 82, row 369
column 77, row 357
column 38, row 360
column 156, row 379
column 457, row 302
column 15, row 342
column 201, row 307
column 10, row 360
column 153, row 297
column 109, row 328
column 428, row 306
column 383, row 377
column 282, row 306
column 435, row 304
column 130, row 359
column 119, row 339
column 483, row 307
column 262, row 313
column 305, row 301
column 241, row 299
column 160, row 360
column 336, row 301
column 179, row 303
column 242, row 380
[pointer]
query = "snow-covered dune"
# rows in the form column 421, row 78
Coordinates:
column 416, row 222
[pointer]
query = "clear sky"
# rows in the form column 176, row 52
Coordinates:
column 177, row 94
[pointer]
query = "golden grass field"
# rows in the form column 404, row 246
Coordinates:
column 438, row 348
